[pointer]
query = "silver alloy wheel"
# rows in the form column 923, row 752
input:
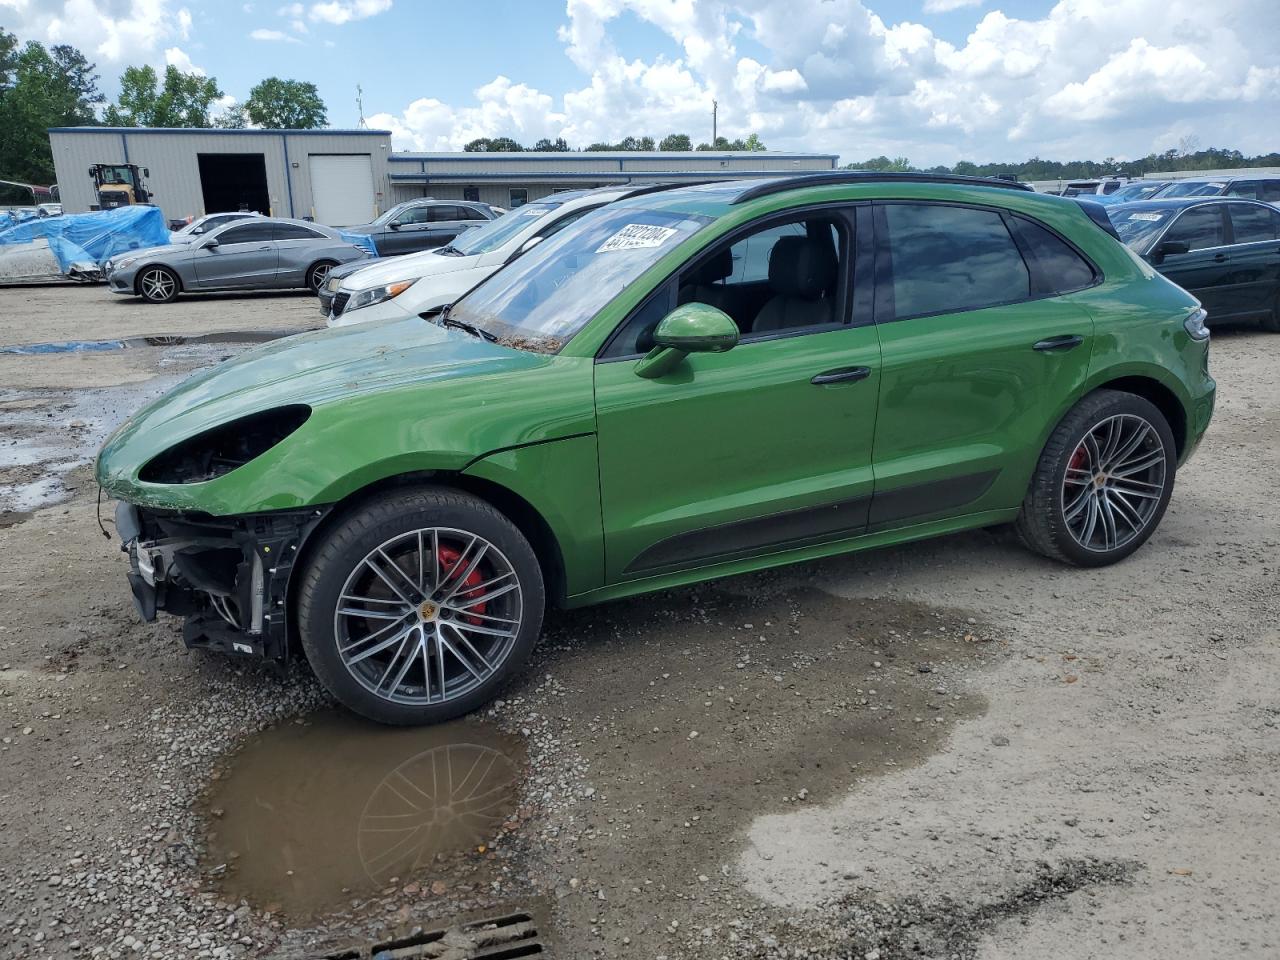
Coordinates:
column 157, row 284
column 1114, row 482
column 428, row 616
column 319, row 274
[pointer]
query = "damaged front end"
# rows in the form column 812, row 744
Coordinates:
column 227, row 576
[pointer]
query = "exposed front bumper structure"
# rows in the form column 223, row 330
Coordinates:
column 227, row 576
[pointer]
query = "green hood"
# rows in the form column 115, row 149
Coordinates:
column 382, row 395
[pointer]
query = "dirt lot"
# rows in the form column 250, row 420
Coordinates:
column 951, row 749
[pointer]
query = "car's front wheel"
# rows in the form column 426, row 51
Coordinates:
column 1103, row 481
column 158, row 284
column 419, row 605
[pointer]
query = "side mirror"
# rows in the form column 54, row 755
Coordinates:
column 690, row 328
column 210, row 243
column 146, row 171
column 394, row 224
column 1171, row 248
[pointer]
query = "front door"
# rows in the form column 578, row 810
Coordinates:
column 764, row 448
column 245, row 256
column 1205, row 271
column 979, row 353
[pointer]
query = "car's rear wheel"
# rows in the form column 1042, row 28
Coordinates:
column 419, row 605
column 1272, row 323
column 1103, row 481
column 319, row 273
column 158, row 284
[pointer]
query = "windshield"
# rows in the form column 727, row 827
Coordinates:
column 549, row 294
column 497, row 232
column 1137, row 226
column 1136, row 191
column 1192, row 188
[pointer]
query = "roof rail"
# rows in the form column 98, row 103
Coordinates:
column 869, row 176
column 664, row 185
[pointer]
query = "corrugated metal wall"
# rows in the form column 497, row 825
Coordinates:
column 172, row 157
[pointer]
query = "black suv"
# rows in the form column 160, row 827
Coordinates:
column 423, row 224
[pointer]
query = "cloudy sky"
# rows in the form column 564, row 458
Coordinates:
column 932, row 80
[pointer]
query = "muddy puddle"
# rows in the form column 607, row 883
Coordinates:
column 246, row 337
column 313, row 814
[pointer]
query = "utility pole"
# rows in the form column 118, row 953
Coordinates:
column 360, row 106
column 715, row 109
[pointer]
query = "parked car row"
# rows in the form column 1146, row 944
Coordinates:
column 683, row 383
column 245, row 250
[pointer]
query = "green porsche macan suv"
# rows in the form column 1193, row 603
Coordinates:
column 686, row 384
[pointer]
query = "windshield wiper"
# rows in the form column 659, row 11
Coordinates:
column 471, row 328
column 449, row 250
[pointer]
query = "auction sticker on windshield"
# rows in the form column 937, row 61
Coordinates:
column 1153, row 217
column 637, row 236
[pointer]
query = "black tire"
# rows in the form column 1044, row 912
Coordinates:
column 1044, row 523
column 340, row 560
column 1272, row 323
column 157, row 284
column 317, row 273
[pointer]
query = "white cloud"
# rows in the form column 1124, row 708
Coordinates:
column 177, row 57
column 115, row 32
column 343, row 11
column 1088, row 78
column 946, row 6
column 272, row 36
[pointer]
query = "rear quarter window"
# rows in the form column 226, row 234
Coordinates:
column 1056, row 268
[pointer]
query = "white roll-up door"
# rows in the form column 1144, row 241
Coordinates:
column 342, row 189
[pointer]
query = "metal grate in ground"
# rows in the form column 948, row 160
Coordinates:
column 501, row 938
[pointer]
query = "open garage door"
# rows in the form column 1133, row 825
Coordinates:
column 342, row 189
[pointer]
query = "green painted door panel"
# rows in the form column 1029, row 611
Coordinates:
column 964, row 402
column 735, row 452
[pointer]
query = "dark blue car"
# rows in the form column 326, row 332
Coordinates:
column 1224, row 252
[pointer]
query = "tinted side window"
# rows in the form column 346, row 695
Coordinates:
column 1271, row 191
column 1055, row 267
column 439, row 214
column 751, row 254
column 294, row 231
column 948, row 259
column 412, row 215
column 1249, row 189
column 1201, row 227
column 248, row 233
column 470, row 213
column 1252, row 224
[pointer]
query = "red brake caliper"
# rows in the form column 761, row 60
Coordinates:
column 448, row 559
column 1077, row 463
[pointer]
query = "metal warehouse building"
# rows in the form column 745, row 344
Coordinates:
column 345, row 177
column 510, row 179
column 338, row 177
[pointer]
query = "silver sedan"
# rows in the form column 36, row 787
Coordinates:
column 265, row 253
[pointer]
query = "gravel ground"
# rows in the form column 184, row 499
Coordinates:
column 950, row 749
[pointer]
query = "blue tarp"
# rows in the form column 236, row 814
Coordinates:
column 361, row 240
column 93, row 237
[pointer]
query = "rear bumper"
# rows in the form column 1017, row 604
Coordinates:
column 227, row 577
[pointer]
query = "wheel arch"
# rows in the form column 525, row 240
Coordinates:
column 1159, row 394
column 527, row 519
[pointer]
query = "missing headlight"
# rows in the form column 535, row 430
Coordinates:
column 216, row 452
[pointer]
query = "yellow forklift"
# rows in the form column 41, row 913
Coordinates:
column 118, row 185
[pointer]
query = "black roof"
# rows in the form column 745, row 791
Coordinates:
column 821, row 179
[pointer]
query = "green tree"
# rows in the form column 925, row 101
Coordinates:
column 286, row 105
column 676, row 141
column 754, row 143
column 493, row 145
column 40, row 88
column 558, row 145
column 883, row 164
column 182, row 100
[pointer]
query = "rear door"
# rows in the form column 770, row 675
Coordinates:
column 1205, row 271
column 245, row 256
column 444, row 222
column 1255, row 257
column 980, row 350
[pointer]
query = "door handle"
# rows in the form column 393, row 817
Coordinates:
column 1219, row 257
column 1064, row 342
column 842, row 375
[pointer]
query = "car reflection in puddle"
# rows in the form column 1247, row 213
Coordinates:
column 314, row 813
